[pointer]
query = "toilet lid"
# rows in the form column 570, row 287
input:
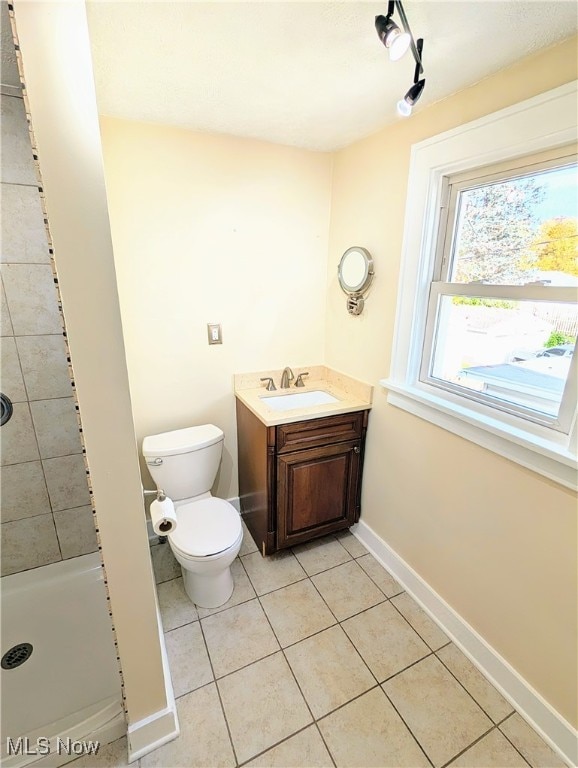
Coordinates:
column 206, row 527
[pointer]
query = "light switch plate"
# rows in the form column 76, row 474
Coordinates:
column 214, row 333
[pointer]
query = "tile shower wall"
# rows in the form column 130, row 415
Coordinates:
column 45, row 510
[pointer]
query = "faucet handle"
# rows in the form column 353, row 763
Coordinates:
column 299, row 382
column 270, row 383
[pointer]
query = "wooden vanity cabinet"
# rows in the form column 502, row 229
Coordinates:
column 301, row 480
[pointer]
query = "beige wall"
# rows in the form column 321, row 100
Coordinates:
column 496, row 541
column 221, row 229
column 58, row 73
column 213, row 229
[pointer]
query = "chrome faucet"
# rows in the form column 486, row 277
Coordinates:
column 286, row 378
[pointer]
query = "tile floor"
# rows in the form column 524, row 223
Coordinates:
column 321, row 659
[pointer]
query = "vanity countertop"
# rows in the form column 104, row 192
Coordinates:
column 352, row 395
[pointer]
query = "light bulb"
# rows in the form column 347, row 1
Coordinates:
column 403, row 108
column 405, row 105
column 398, row 44
column 395, row 40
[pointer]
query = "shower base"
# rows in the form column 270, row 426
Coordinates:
column 65, row 691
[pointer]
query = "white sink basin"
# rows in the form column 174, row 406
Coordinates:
column 298, row 400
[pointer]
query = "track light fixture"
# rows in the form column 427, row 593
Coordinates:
column 397, row 42
column 405, row 105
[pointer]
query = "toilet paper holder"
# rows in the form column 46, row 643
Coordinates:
column 160, row 494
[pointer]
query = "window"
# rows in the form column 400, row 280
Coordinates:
column 502, row 301
column 487, row 314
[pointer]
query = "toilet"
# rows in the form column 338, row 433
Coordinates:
column 207, row 538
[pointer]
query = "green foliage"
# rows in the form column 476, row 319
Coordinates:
column 557, row 337
column 475, row 301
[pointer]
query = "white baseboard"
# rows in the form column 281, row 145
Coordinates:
column 161, row 727
column 553, row 728
column 151, row 732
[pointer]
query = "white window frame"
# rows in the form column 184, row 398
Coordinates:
column 545, row 122
column 442, row 286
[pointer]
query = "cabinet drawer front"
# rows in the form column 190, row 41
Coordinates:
column 309, row 434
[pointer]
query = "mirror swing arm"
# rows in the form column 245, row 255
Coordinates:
column 355, row 274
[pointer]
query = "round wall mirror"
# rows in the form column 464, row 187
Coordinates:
column 355, row 273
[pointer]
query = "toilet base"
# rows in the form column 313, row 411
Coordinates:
column 209, row 591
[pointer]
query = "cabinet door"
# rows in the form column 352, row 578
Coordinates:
column 316, row 491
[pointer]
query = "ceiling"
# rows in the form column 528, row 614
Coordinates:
column 308, row 74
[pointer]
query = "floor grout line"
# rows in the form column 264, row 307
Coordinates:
column 463, row 751
column 278, row 743
column 349, row 701
column 409, row 666
column 315, row 720
column 389, row 597
column 322, row 737
column 417, row 741
column 505, row 735
column 456, row 678
column 219, row 694
column 404, row 617
column 337, row 622
column 286, row 662
column 309, row 575
column 246, row 666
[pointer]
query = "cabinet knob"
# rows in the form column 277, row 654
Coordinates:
column 356, row 449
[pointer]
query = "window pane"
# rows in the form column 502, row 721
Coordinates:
column 515, row 352
column 518, row 230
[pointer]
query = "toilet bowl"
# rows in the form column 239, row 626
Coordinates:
column 208, row 534
column 207, row 539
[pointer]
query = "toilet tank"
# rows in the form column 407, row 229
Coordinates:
column 184, row 462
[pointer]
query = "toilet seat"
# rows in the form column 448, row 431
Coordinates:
column 206, row 528
column 187, row 561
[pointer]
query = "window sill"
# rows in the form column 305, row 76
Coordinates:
column 546, row 457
